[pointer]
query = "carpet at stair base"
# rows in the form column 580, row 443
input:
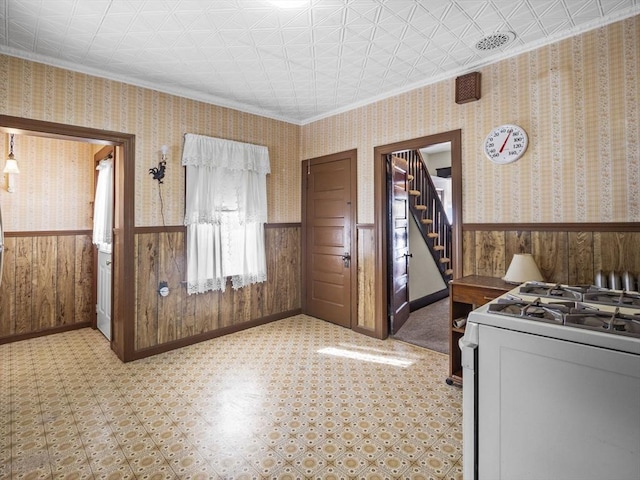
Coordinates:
column 428, row 327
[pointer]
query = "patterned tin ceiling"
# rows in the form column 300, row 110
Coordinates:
column 301, row 63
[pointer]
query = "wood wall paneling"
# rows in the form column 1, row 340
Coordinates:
column 84, row 301
column 366, row 270
column 490, row 254
column 551, row 252
column 172, row 271
column 46, row 283
column 581, row 258
column 469, row 253
column 160, row 257
column 146, row 248
column 65, row 277
column 617, row 252
column 24, row 286
column 516, row 242
column 570, row 256
column 207, row 311
column 8, row 296
column 283, row 287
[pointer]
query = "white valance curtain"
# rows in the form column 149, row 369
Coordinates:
column 103, row 205
column 226, row 208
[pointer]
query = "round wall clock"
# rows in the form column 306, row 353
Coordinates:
column 506, row 144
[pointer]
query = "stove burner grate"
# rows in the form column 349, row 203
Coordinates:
column 611, row 322
column 621, row 299
column 536, row 310
column 572, row 314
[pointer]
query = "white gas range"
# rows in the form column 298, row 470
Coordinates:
column 552, row 385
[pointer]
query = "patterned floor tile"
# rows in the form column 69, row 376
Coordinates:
column 298, row 398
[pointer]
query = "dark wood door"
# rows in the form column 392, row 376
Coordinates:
column 399, row 248
column 329, row 224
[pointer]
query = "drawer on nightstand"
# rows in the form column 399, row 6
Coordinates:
column 473, row 294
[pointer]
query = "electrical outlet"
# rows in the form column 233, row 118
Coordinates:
column 163, row 289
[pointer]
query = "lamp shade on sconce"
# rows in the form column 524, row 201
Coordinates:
column 11, row 166
column 522, row 269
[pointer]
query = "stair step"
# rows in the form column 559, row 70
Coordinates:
column 448, row 271
column 410, row 177
column 422, row 208
column 427, row 221
column 415, row 193
column 438, row 248
column 433, row 235
column 445, row 260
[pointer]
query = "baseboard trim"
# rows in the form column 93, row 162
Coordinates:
column 185, row 342
column 42, row 333
column 428, row 300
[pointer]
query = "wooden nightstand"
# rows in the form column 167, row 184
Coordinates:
column 465, row 295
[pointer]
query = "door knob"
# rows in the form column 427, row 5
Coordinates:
column 346, row 258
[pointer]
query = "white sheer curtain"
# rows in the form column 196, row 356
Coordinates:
column 103, row 205
column 226, row 208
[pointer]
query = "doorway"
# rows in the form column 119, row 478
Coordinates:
column 329, row 238
column 383, row 271
column 123, row 299
column 102, row 239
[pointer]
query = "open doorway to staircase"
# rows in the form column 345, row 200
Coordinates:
column 408, row 201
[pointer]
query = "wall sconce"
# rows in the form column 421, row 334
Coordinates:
column 523, row 268
column 10, row 167
column 158, row 172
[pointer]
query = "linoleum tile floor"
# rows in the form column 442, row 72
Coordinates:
column 298, row 398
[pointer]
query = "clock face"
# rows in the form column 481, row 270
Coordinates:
column 505, row 144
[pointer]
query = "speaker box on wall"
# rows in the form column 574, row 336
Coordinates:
column 468, row 87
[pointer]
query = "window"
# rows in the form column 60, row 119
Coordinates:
column 226, row 208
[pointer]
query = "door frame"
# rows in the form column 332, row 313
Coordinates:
column 381, row 212
column 352, row 155
column 123, row 295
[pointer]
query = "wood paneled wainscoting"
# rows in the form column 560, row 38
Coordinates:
column 165, row 323
column 46, row 283
column 565, row 253
column 366, row 278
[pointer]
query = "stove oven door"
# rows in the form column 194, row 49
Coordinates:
column 469, row 355
column 552, row 409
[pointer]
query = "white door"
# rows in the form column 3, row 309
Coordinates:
column 103, row 306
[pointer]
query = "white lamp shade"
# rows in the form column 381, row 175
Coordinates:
column 11, row 166
column 523, row 268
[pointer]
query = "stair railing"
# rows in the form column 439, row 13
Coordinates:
column 429, row 212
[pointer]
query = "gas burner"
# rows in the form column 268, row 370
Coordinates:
column 612, row 297
column 611, row 322
column 574, row 292
column 545, row 312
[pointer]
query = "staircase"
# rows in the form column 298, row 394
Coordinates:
column 429, row 213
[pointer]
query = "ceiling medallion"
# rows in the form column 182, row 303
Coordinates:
column 495, row 40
